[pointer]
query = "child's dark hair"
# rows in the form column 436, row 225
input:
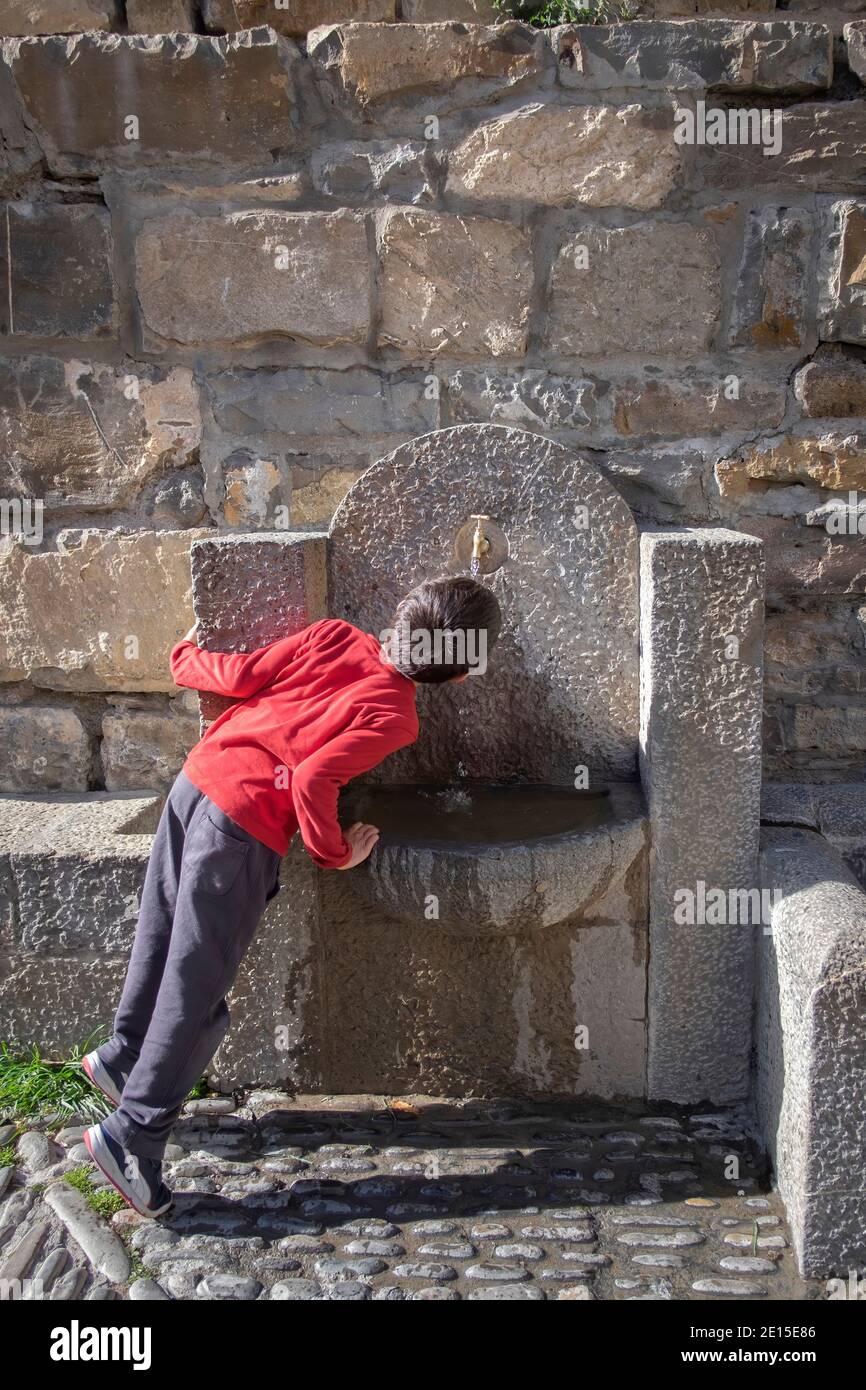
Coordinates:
column 462, row 609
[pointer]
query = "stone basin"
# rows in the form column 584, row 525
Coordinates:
column 494, row 859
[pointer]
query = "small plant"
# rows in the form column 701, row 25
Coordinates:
column 7, row 1157
column 32, row 1088
column 556, row 12
column 103, row 1203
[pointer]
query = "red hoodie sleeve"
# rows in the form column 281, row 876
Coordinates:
column 316, row 781
column 236, row 675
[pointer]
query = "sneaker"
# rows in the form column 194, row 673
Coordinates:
column 138, row 1180
column 104, row 1078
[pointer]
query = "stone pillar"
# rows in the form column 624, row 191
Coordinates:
column 811, row 1048
column 701, row 697
column 249, row 590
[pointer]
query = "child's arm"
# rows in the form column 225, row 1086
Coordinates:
column 316, row 781
column 237, row 675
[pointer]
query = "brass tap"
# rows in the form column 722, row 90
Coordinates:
column 480, row 543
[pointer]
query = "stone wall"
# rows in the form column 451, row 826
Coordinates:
column 239, row 269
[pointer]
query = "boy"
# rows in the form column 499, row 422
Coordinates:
column 314, row 710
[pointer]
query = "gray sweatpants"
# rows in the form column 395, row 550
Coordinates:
column 205, row 890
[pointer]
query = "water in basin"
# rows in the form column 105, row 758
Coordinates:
column 475, row 814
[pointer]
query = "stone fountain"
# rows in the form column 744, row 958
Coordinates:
column 519, row 929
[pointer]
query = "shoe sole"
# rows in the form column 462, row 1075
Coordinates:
column 108, row 1089
column 102, row 1157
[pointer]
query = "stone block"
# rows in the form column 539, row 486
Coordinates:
column 22, row 17
column 807, row 559
column 827, row 458
column 854, row 35
column 294, row 17
column 565, row 667
column 531, row 400
column 100, row 611
column 601, row 156
column 821, row 148
column 55, row 261
column 144, row 748
column 396, row 171
column 811, row 1073
column 652, row 287
column 437, row 11
column 160, row 16
column 769, row 309
column 719, row 54
column 255, row 274
column 251, row 590
column 701, row 629
column 103, row 100
column 457, row 285
column 842, row 273
column 44, row 1004
column 370, row 63
column 696, row 403
column 47, row 749
column 832, row 383
column 92, row 436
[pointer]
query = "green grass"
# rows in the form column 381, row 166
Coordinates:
column 7, row 1157
column 32, row 1088
column 104, row 1203
column 555, row 12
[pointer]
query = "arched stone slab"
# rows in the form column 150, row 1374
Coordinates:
column 562, row 686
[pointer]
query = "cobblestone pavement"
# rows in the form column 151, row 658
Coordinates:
column 349, row 1198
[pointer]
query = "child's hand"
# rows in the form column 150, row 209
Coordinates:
column 362, row 838
column 190, row 636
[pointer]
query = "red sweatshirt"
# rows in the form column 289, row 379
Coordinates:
column 318, row 708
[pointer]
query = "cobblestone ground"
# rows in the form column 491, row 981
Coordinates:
column 352, row 1198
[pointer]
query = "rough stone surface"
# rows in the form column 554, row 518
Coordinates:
column 55, row 261
column 832, row 382
column 811, row 1063
column 675, row 310
column 579, row 707
column 56, row 16
column 196, row 99
column 855, row 47
column 87, row 436
column 160, row 16
column 830, row 459
column 100, row 612
column 141, row 749
column 369, row 66
column 47, row 749
column 822, row 149
column 701, row 627
column 251, row 590
column 301, row 275
column 772, row 288
column 453, row 284
column 103, row 1248
column 841, row 274
column 722, row 54
column 604, row 156
column 294, row 17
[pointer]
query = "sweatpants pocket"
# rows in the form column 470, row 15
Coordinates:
column 212, row 858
